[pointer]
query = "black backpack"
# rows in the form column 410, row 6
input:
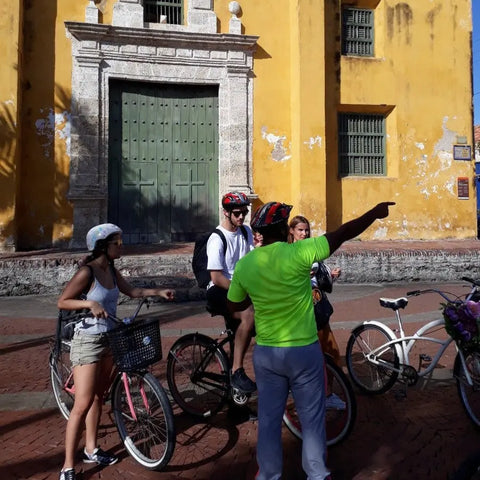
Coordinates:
column 200, row 260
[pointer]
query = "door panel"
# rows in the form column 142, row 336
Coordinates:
column 163, row 160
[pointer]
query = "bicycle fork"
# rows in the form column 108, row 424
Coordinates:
column 126, row 384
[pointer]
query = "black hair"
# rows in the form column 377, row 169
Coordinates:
column 278, row 232
column 100, row 249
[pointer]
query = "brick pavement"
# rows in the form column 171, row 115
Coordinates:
column 423, row 436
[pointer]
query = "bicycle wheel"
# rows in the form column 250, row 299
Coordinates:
column 61, row 377
column 338, row 421
column 469, row 394
column 144, row 419
column 369, row 377
column 198, row 375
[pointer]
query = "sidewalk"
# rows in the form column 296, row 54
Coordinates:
column 47, row 271
column 424, row 436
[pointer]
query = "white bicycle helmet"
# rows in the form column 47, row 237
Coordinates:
column 101, row 232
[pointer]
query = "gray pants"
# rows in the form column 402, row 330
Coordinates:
column 301, row 369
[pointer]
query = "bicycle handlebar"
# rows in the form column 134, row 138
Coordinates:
column 453, row 298
column 143, row 301
column 473, row 282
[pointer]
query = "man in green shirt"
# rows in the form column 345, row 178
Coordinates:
column 276, row 277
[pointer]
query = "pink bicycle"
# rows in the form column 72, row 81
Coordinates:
column 141, row 409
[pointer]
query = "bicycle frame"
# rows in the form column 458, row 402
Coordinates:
column 404, row 343
column 69, row 387
column 200, row 368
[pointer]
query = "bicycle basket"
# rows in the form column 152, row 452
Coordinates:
column 137, row 345
column 461, row 323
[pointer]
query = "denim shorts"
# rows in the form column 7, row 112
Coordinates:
column 88, row 348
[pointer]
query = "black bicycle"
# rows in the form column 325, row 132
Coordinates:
column 198, row 377
column 198, row 373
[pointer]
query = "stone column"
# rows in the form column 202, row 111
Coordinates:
column 237, row 133
column 87, row 184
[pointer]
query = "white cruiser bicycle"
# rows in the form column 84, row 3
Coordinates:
column 378, row 356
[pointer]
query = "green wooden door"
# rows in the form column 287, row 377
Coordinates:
column 163, row 160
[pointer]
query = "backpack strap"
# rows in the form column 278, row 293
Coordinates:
column 224, row 240
column 244, row 232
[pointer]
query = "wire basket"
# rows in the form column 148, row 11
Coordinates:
column 137, row 345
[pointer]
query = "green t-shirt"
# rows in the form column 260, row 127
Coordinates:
column 277, row 279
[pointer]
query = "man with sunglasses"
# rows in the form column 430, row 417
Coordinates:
column 221, row 263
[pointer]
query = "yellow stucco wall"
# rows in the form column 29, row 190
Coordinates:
column 289, row 107
column 9, row 112
column 420, row 78
column 422, row 70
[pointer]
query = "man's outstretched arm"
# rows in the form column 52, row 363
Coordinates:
column 355, row 227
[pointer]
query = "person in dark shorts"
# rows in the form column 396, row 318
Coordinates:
column 221, row 264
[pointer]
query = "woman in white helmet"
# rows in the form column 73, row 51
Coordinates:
column 101, row 283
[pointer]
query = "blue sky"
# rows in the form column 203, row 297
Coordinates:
column 476, row 60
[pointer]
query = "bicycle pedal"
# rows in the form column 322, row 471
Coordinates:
column 239, row 397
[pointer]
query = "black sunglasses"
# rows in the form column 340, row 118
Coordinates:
column 237, row 213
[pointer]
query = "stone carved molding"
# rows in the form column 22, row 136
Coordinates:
column 103, row 52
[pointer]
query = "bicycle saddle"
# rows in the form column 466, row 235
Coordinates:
column 394, row 303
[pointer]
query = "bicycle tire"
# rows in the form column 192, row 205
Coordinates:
column 338, row 423
column 150, row 437
column 61, row 378
column 469, row 394
column 368, row 377
column 198, row 375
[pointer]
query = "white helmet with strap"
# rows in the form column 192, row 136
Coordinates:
column 100, row 232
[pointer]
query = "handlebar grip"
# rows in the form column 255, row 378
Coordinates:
column 413, row 293
column 473, row 282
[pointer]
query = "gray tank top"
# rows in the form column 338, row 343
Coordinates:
column 108, row 298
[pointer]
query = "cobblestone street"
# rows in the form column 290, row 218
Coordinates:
column 425, row 435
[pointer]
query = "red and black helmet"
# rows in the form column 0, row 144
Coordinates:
column 270, row 214
column 233, row 200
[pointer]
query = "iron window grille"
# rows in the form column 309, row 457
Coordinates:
column 361, row 144
column 357, row 32
column 154, row 9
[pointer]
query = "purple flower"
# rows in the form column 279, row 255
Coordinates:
column 473, row 308
column 451, row 313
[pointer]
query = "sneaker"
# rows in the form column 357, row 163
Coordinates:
column 100, row 457
column 240, row 381
column 334, row 402
column 68, row 474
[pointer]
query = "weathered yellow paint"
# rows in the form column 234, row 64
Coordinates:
column 428, row 45
column 10, row 21
column 420, row 78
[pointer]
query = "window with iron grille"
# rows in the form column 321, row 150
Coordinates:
column 361, row 144
column 154, row 9
column 357, row 32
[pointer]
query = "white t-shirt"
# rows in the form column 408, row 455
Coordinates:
column 237, row 247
